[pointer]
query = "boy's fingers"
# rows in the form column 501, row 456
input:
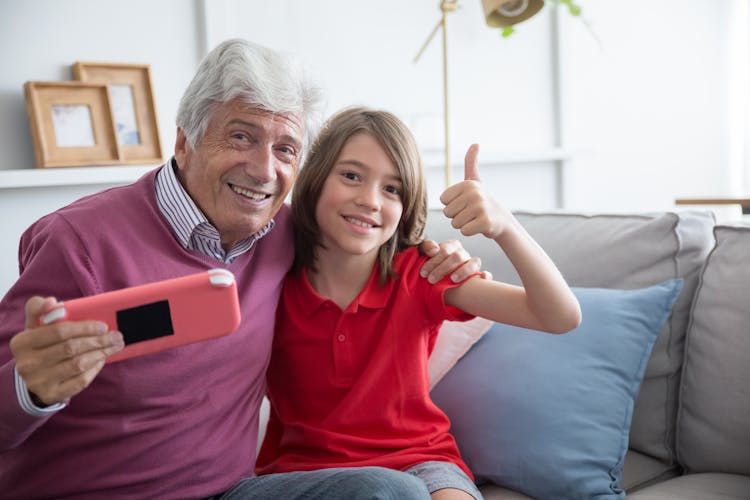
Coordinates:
column 471, row 169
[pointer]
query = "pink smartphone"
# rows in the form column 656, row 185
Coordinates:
column 160, row 315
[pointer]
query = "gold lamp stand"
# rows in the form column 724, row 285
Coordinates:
column 497, row 13
column 446, row 6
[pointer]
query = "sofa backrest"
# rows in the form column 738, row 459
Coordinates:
column 713, row 421
column 620, row 251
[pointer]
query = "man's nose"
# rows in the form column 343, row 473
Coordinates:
column 262, row 165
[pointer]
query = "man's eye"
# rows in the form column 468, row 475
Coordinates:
column 239, row 137
column 286, row 154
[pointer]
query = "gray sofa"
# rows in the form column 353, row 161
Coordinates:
column 689, row 437
column 690, row 430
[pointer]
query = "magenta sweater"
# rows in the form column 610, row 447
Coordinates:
column 182, row 423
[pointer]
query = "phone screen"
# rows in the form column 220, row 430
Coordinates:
column 145, row 322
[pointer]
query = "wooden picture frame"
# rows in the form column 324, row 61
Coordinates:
column 133, row 107
column 71, row 124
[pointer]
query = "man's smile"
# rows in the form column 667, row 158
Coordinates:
column 253, row 195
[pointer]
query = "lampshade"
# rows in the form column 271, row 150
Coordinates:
column 503, row 13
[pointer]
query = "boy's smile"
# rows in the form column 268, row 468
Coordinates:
column 360, row 205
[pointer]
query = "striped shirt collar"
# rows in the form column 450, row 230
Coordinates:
column 190, row 225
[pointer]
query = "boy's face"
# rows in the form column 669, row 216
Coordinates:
column 360, row 206
column 243, row 168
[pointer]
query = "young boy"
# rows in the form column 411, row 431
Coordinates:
column 348, row 380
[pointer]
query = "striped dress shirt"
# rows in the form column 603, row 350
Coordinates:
column 190, row 225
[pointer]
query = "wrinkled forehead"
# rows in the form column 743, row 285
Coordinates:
column 292, row 124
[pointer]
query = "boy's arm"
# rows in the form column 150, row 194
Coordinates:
column 544, row 302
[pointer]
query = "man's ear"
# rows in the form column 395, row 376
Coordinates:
column 181, row 147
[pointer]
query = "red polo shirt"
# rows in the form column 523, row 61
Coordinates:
column 350, row 388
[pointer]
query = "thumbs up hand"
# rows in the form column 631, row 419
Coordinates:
column 471, row 210
column 471, row 167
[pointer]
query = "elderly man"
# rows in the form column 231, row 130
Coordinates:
column 181, row 423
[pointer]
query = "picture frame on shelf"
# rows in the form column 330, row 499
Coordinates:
column 133, row 107
column 71, row 124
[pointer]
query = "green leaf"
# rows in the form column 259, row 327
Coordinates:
column 507, row 31
column 575, row 10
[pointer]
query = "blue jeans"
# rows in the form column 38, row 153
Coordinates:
column 366, row 483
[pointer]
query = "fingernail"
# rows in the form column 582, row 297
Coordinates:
column 432, row 280
column 101, row 327
column 423, row 274
column 117, row 340
column 454, row 278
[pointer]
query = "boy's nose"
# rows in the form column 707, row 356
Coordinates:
column 369, row 197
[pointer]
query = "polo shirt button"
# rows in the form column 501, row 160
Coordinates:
column 342, row 338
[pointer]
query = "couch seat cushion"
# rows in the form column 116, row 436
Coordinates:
column 493, row 492
column 706, row 486
column 641, row 470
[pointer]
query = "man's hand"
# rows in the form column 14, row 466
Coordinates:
column 60, row 360
column 447, row 256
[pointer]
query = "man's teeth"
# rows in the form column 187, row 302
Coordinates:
column 248, row 194
column 358, row 222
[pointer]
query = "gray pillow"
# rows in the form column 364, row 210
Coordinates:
column 713, row 421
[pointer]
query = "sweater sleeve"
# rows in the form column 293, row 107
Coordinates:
column 52, row 262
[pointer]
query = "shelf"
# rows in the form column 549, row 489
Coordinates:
column 435, row 159
column 78, row 176
column 123, row 174
column 743, row 202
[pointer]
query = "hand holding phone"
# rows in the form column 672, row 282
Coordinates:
column 160, row 315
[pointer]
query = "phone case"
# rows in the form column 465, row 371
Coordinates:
column 160, row 315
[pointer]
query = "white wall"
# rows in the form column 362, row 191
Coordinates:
column 40, row 40
column 649, row 109
column 643, row 102
column 646, row 114
column 501, row 91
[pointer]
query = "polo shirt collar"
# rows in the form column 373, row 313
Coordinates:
column 373, row 296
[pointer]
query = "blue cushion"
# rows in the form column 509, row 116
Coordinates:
column 549, row 415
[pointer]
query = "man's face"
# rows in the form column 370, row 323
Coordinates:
column 243, row 168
